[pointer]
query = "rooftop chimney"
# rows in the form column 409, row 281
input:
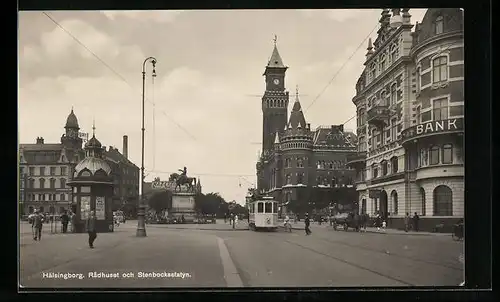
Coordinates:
column 39, row 140
column 125, row 146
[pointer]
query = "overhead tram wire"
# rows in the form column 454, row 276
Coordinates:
column 341, row 68
column 206, row 174
column 115, row 72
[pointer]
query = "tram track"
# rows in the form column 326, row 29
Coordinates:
column 392, row 254
column 364, row 249
column 350, row 263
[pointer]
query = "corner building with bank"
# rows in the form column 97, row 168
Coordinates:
column 304, row 170
column 410, row 106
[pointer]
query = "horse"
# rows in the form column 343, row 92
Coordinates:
column 183, row 180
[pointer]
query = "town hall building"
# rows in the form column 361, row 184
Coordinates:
column 304, row 169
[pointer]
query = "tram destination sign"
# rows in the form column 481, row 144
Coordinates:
column 443, row 126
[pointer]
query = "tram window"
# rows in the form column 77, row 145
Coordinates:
column 269, row 207
column 260, row 207
column 275, row 207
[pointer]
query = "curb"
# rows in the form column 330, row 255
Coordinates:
column 385, row 233
column 199, row 229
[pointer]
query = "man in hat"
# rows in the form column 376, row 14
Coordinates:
column 307, row 223
column 91, row 230
column 37, row 225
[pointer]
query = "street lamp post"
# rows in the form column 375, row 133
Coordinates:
column 141, row 225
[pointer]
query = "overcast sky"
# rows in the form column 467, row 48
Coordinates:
column 209, row 68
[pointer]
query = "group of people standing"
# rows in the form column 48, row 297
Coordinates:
column 38, row 219
column 233, row 219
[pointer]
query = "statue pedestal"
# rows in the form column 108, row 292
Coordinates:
column 183, row 204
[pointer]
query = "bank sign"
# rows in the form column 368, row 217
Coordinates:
column 450, row 125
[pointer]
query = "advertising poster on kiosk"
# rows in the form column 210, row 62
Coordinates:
column 100, row 208
column 84, row 207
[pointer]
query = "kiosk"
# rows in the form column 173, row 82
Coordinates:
column 92, row 187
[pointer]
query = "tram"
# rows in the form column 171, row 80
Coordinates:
column 263, row 214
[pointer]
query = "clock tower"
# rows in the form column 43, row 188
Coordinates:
column 274, row 100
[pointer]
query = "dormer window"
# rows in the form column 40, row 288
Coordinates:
column 439, row 25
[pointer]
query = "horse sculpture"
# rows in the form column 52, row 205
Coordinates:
column 183, row 180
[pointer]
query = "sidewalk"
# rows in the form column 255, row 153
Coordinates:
column 326, row 225
column 242, row 225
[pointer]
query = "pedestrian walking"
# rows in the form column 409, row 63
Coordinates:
column 91, row 230
column 37, row 226
column 64, row 221
column 236, row 219
column 407, row 222
column 307, row 223
column 415, row 221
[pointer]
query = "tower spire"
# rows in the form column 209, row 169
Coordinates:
column 93, row 127
column 275, row 40
column 297, row 92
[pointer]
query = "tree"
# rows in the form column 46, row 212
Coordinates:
column 160, row 201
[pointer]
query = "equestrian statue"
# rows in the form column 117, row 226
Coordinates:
column 183, row 179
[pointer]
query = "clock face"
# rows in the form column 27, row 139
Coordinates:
column 276, row 81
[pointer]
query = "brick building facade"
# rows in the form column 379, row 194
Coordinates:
column 45, row 169
column 125, row 178
column 303, row 169
column 409, row 103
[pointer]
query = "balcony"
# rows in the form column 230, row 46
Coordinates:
column 379, row 116
column 356, row 159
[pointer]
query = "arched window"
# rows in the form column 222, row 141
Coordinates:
column 419, row 83
column 394, row 94
column 382, row 63
column 52, row 210
column 447, row 154
column 300, row 162
column 288, row 179
column 443, row 201
column 52, row 183
column 374, row 171
column 362, row 117
column 440, row 69
column 42, row 183
column 423, row 157
column 288, row 163
column 434, row 155
column 394, row 197
column 300, row 178
column 31, row 183
column 63, row 183
column 62, row 197
column 394, row 53
column 439, row 25
column 383, row 164
column 422, row 198
column 394, row 165
column 373, row 71
column 383, row 97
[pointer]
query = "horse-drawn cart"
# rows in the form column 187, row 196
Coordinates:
column 345, row 221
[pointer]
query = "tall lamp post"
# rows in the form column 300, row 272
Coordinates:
column 141, row 224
